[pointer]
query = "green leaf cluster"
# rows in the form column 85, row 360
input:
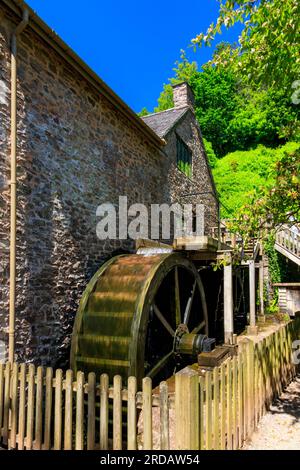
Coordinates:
column 268, row 49
column 240, row 175
column 233, row 115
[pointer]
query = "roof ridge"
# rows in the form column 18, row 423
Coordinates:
column 165, row 111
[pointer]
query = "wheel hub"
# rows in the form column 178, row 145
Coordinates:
column 187, row 343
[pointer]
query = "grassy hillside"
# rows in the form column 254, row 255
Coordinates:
column 239, row 172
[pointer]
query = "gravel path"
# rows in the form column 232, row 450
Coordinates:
column 279, row 429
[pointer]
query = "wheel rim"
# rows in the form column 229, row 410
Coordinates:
column 160, row 293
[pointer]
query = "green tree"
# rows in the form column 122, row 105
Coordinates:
column 240, row 175
column 268, row 50
column 232, row 114
column 263, row 116
column 215, row 104
column 211, row 156
column 275, row 203
column 183, row 72
column 144, row 112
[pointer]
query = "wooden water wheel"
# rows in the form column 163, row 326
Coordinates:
column 141, row 315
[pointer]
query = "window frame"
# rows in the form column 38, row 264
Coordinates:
column 187, row 152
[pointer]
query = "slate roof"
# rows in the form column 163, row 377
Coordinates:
column 162, row 122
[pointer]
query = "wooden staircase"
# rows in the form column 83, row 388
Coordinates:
column 288, row 244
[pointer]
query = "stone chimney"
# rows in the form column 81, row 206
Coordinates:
column 183, row 95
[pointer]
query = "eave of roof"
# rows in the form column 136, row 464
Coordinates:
column 54, row 41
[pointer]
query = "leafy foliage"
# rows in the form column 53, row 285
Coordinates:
column 276, row 202
column 268, row 50
column 211, row 156
column 143, row 112
column 240, row 175
column 233, row 115
column 215, row 104
column 183, row 72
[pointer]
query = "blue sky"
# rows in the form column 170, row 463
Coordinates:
column 132, row 45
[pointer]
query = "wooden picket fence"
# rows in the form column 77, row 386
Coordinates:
column 213, row 409
column 232, row 398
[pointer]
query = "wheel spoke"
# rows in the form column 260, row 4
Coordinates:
column 157, row 368
column 198, row 327
column 163, row 320
column 189, row 305
column 177, row 299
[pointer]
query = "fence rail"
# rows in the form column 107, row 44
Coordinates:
column 214, row 409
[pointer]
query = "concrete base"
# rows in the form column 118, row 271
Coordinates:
column 252, row 330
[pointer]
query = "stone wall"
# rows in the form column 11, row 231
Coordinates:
column 75, row 151
column 199, row 188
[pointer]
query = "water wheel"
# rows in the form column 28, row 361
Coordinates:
column 140, row 315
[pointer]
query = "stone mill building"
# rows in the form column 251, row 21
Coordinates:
column 78, row 145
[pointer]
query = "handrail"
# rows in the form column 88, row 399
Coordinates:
column 289, row 239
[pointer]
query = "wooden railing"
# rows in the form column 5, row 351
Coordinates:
column 289, row 240
column 217, row 409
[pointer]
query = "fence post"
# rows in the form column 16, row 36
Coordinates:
column 104, row 382
column 235, row 403
column 58, row 409
column 201, row 414
column 39, row 407
column 48, row 408
column 131, row 414
column 216, row 408
column 147, row 413
column 260, row 381
column 79, row 433
column 223, row 407
column 22, row 410
column 13, row 415
column 30, row 407
column 6, row 403
column 117, row 413
column 229, row 403
column 68, row 411
column 240, row 400
column 208, row 411
column 91, row 411
column 250, row 353
column 164, row 416
column 187, row 410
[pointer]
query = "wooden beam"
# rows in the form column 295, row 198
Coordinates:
column 252, row 329
column 147, row 243
column 228, row 304
column 261, row 288
column 202, row 243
